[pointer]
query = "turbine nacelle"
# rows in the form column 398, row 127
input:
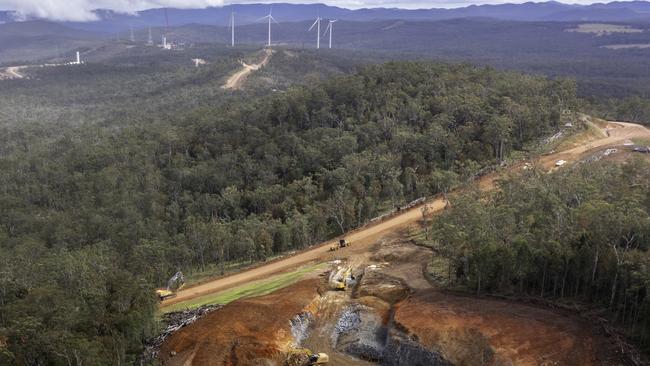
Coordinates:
column 270, row 19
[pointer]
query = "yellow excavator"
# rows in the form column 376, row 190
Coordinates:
column 340, row 278
column 175, row 283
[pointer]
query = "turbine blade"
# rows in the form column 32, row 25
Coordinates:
column 329, row 26
column 273, row 19
column 262, row 18
column 313, row 25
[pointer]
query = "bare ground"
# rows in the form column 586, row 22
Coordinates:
column 461, row 328
column 236, row 80
column 12, row 72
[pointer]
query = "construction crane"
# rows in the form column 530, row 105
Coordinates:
column 175, row 283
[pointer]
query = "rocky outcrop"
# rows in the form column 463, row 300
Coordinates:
column 360, row 332
column 401, row 350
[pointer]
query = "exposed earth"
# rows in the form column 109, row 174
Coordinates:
column 236, row 80
column 11, row 72
column 392, row 314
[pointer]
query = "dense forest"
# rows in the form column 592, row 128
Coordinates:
column 631, row 109
column 92, row 219
column 576, row 235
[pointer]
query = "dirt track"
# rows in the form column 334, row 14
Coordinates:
column 12, row 72
column 236, row 80
column 363, row 238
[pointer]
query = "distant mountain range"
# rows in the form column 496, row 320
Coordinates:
column 112, row 22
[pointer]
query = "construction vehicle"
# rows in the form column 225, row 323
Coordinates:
column 340, row 278
column 319, row 359
column 342, row 244
column 175, row 283
column 305, row 357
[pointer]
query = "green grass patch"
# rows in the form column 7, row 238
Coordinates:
column 256, row 288
column 642, row 142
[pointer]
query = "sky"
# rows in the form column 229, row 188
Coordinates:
column 81, row 10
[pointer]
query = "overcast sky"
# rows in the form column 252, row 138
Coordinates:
column 81, row 10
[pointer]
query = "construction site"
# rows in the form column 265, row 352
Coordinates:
column 371, row 298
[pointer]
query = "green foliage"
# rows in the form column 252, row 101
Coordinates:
column 632, row 109
column 257, row 288
column 578, row 234
column 98, row 209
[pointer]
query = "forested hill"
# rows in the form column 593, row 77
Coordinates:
column 580, row 235
column 91, row 222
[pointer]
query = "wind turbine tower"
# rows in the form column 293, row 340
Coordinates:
column 150, row 40
column 78, row 62
column 132, row 37
column 317, row 24
column 270, row 19
column 232, row 30
column 330, row 28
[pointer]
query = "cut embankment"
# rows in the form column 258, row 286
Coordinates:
column 253, row 331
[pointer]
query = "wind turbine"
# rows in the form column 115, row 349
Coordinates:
column 317, row 22
column 330, row 28
column 232, row 29
column 271, row 19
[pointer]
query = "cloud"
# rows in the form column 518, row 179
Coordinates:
column 82, row 10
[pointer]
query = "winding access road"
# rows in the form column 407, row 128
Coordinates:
column 236, row 80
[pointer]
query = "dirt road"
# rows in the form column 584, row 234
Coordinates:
column 12, row 72
column 362, row 238
column 236, row 80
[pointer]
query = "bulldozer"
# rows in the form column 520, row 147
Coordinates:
column 305, row 357
column 175, row 283
column 342, row 244
column 340, row 278
column 319, row 359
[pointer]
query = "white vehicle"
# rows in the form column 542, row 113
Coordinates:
column 560, row 162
